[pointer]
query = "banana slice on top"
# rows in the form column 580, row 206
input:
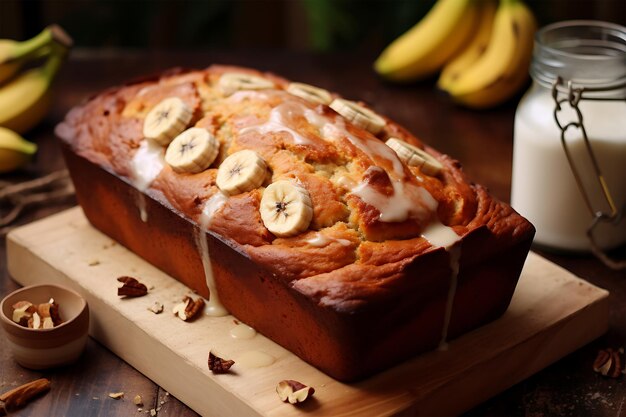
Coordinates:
column 286, row 208
column 415, row 156
column 310, row 93
column 234, row 81
column 240, row 172
column 166, row 120
column 192, row 151
column 358, row 115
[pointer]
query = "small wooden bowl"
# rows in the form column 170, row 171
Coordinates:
column 47, row 348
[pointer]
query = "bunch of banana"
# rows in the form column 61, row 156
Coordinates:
column 25, row 96
column 482, row 49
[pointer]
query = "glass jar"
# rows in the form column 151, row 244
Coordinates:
column 582, row 65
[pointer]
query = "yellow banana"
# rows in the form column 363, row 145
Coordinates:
column 25, row 100
column 14, row 54
column 500, row 72
column 476, row 47
column 428, row 45
column 15, row 151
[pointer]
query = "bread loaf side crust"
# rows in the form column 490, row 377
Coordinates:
column 373, row 295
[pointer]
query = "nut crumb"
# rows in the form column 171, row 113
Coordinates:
column 153, row 412
column 116, row 395
column 156, row 308
column 138, row 400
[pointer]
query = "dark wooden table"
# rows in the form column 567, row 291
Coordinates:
column 482, row 141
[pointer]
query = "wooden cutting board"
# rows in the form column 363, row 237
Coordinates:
column 552, row 314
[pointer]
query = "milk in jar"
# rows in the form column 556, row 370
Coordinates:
column 592, row 55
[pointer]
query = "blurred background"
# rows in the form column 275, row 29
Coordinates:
column 313, row 25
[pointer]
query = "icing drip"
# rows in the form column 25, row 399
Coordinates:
column 255, row 359
column 370, row 146
column 141, row 204
column 282, row 117
column 212, row 206
column 440, row 235
column 260, row 95
column 407, row 201
column 146, row 165
column 455, row 256
column 320, row 240
column 242, row 331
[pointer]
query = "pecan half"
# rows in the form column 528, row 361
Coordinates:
column 22, row 395
column 189, row 308
column 293, row 392
column 131, row 287
column 609, row 363
column 218, row 365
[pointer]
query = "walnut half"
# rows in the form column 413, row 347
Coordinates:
column 294, row 392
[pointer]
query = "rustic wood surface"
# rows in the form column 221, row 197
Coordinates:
column 482, row 141
column 552, row 314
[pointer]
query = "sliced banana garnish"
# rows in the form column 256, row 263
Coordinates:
column 310, row 93
column 240, row 172
column 286, row 208
column 166, row 120
column 192, row 151
column 415, row 156
column 234, row 81
column 358, row 115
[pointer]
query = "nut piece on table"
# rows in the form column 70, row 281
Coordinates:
column 609, row 362
column 116, row 395
column 156, row 308
column 188, row 309
column 131, row 287
column 23, row 312
column 218, row 365
column 138, row 400
column 294, row 392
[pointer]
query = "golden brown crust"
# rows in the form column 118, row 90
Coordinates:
column 361, row 255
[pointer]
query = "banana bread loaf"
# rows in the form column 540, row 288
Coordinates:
column 325, row 226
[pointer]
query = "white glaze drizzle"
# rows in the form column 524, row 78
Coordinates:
column 255, row 359
column 440, row 235
column 242, row 331
column 214, row 306
column 281, row 117
column 261, row 95
column 146, row 164
column 319, row 240
column 242, row 95
column 141, row 205
column 407, row 201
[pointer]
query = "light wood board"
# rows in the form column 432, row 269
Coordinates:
column 552, row 314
